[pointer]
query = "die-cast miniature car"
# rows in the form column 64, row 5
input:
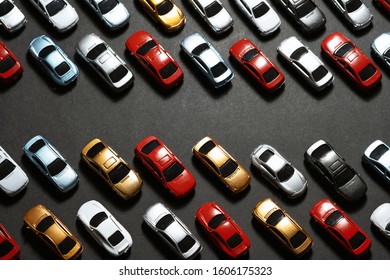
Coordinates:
column 381, row 47
column 385, row 4
column 99, row 55
column 266, row 73
column 261, row 14
column 381, row 218
column 51, row 163
column 11, row 17
column 222, row 164
column 377, row 156
column 53, row 60
column 114, row 170
column 9, row 249
column 112, row 12
column 214, row 14
column 155, row 59
column 355, row 12
column 207, row 59
column 282, row 226
column 223, row 230
column 341, row 227
column 43, row 223
column 10, row 67
column 12, row 178
column 351, row 60
column 172, row 230
column 104, row 228
column 278, row 171
column 165, row 166
column 308, row 65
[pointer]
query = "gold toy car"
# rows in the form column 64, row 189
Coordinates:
column 165, row 12
column 228, row 170
column 112, row 168
column 53, row 232
column 277, row 221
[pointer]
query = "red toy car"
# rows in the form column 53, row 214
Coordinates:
column 222, row 230
column 9, row 250
column 165, row 166
column 351, row 60
column 257, row 64
column 155, row 59
column 385, row 4
column 10, row 67
column 341, row 227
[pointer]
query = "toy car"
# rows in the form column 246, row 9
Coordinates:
column 112, row 12
column 261, row 14
column 155, row 59
column 214, row 14
column 331, row 218
column 53, row 60
column 11, row 18
column 335, row 170
column 165, row 166
column 207, row 59
column 43, row 223
column 355, row 12
column 165, row 12
column 266, row 73
column 278, row 171
column 12, row 178
column 381, row 47
column 10, row 67
column 59, row 13
column 9, row 249
column 351, row 60
column 308, row 65
column 104, row 228
column 384, row 4
column 111, row 168
column 282, row 226
column 51, row 163
column 222, row 164
column 377, row 156
column 105, row 61
column 381, row 218
column 223, row 230
column 172, row 230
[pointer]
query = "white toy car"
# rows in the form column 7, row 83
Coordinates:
column 305, row 62
column 172, row 230
column 11, row 18
column 12, row 178
column 355, row 11
column 104, row 228
column 377, row 156
column 381, row 218
column 381, row 47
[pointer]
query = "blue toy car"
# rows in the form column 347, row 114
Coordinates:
column 377, row 156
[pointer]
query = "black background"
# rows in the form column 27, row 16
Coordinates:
column 240, row 116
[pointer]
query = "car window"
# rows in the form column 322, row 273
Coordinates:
column 6, row 168
column 55, row 6
column 285, row 173
column 298, row 239
column 38, row 161
column 45, row 224
column 5, row 246
column 260, row 10
column 213, row 9
column 36, row 146
column 378, row 152
column 146, row 47
column 234, row 240
column 321, row 151
column 186, row 243
column 228, row 168
column 207, row 147
column 357, row 240
column 270, row 75
column 164, row 8
column 250, row 55
column 296, row 55
column 171, row 172
column 266, row 155
column 306, row 8
column 344, row 176
column 116, row 238
column 219, row 69
column 5, row 7
column 275, row 217
column 56, row 167
column 164, row 222
column 66, row 245
column 97, row 148
column 201, row 48
column 118, row 74
column 168, row 70
column 148, row 148
column 97, row 219
column 62, row 68
column 7, row 64
column 107, row 5
column 216, row 221
column 96, row 51
column 319, row 73
column 367, row 72
column 353, row 5
column 46, row 51
column 119, row 173
column 344, row 49
column 334, row 218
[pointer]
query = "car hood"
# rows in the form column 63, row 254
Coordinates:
column 14, row 182
column 361, row 16
column 221, row 20
column 313, row 20
column 239, row 180
column 381, row 215
column 382, row 43
column 66, row 179
column 354, row 189
column 14, row 18
column 182, row 184
column 268, row 22
column 130, row 185
column 173, row 18
column 296, row 184
column 65, row 18
column 117, row 16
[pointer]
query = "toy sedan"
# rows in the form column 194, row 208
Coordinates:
column 282, row 226
column 355, row 11
column 11, row 18
column 340, row 227
column 10, row 67
column 381, row 218
column 337, row 172
column 155, row 59
column 351, row 60
column 381, row 47
column 306, row 63
column 12, row 178
column 111, row 168
column 53, row 60
column 377, row 156
column 214, row 14
column 222, row 164
column 104, row 228
column 165, row 12
column 165, row 166
column 112, row 12
column 223, row 230
column 9, row 249
column 172, row 230
column 51, row 163
column 105, row 61
column 58, row 12
column 207, row 59
column 278, row 171
column 261, row 14
column 257, row 64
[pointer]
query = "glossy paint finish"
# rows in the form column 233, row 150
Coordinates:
column 11, row 17
column 10, row 67
column 381, row 219
column 9, row 249
column 355, row 12
column 12, row 178
column 381, row 48
column 377, row 156
column 112, row 12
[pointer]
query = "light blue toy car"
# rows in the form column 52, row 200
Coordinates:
column 53, row 60
column 51, row 163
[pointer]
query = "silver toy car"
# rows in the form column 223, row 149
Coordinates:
column 355, row 11
column 381, row 218
column 381, row 47
column 11, row 18
column 377, row 156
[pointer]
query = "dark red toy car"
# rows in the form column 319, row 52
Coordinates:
column 165, row 166
column 9, row 250
column 10, row 67
column 341, row 227
column 222, row 230
column 257, row 64
column 351, row 60
column 385, row 4
column 156, row 60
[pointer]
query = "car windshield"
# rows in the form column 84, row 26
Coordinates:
column 118, row 173
column 321, row 151
column 296, row 55
column 228, row 168
column 319, row 73
column 5, row 7
column 353, row 5
column 201, row 48
column 164, row 8
column 173, row 171
column 216, row 221
column 285, row 173
column 96, row 51
column 146, row 47
column 266, row 155
column 260, row 10
column 6, row 168
column 207, row 147
column 56, row 167
column 344, row 49
column 168, row 70
column 118, row 74
column 62, row 69
column 357, row 240
column 55, row 6
column 270, row 75
column 379, row 151
column 36, row 146
column 334, row 218
column 116, row 238
column 107, row 5
column 186, row 243
column 97, row 148
column 45, row 224
column 66, row 245
column 275, row 218
column 298, row 239
column 250, row 55
column 164, row 222
column 213, row 9
column 234, row 241
column 344, row 177
column 6, row 64
column 306, row 8
column 5, row 248
column 46, row 51
column 148, row 148
column 367, row 72
column 218, row 69
column 98, row 219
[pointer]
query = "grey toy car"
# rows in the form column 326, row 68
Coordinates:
column 377, row 156
column 355, row 11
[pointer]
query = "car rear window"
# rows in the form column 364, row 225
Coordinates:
column 168, row 70
column 62, row 69
column 118, row 74
column 5, row 248
column 334, row 218
column 54, row 7
column 298, row 239
column 56, row 166
column 228, row 168
column 296, row 55
column 260, row 10
column 97, row 148
column 146, row 47
column 266, row 155
column 201, row 48
column 344, row 177
column 36, row 146
column 275, row 218
column 343, row 50
column 116, row 238
column 165, row 221
column 6, row 64
column 66, row 245
column 45, row 224
column 148, row 148
column 357, row 240
column 250, row 55
column 270, row 75
column 46, row 51
column 213, row 9
column 5, row 7
column 186, row 243
column 174, row 170
column 118, row 173
column 285, row 173
column 218, row 69
column 207, row 147
column 319, row 73
column 98, row 219
column 321, row 151
column 353, row 5
column 234, row 241
column 367, row 72
column 96, row 51
column 164, row 8
column 6, row 167
column 216, row 221
column 107, row 5
column 306, row 8
column 379, row 151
